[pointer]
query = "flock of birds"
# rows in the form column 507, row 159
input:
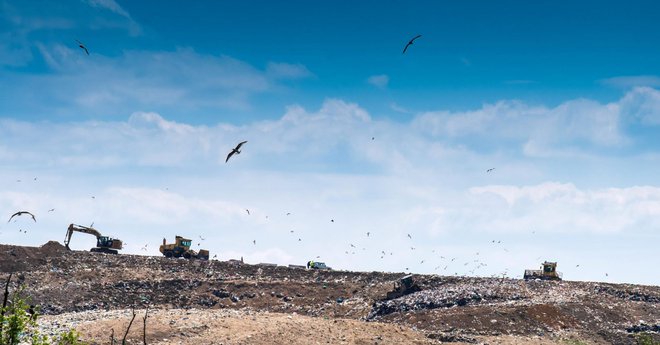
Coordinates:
column 472, row 265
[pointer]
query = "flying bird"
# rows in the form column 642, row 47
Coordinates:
column 254, row 242
column 489, row 170
column 82, row 46
column 51, row 210
column 248, row 211
column 368, row 233
column 410, row 237
column 410, row 43
column 235, row 150
column 19, row 213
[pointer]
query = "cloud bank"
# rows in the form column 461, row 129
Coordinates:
column 317, row 181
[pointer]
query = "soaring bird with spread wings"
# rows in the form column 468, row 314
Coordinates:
column 410, row 43
column 19, row 213
column 235, row 150
column 82, row 46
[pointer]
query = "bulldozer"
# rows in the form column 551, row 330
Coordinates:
column 104, row 244
column 181, row 247
column 406, row 285
column 548, row 271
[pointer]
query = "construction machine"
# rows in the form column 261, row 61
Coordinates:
column 317, row 265
column 104, row 244
column 548, row 271
column 406, row 285
column 181, row 247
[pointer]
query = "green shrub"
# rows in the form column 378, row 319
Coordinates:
column 646, row 339
column 18, row 323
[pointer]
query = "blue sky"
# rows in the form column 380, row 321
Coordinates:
column 561, row 99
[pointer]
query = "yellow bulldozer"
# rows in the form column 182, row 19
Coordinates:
column 181, row 247
column 548, row 271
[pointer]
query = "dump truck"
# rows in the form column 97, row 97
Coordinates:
column 548, row 271
column 406, row 285
column 104, row 244
column 181, row 248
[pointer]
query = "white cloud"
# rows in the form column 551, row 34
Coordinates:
column 572, row 126
column 380, row 81
column 183, row 79
column 279, row 70
column 562, row 207
column 628, row 82
column 643, row 105
column 110, row 5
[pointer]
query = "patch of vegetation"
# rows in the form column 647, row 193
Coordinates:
column 574, row 342
column 646, row 339
column 18, row 323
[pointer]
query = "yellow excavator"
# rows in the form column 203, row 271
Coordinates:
column 104, row 244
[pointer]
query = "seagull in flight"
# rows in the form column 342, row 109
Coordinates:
column 19, row 213
column 410, row 237
column 489, row 170
column 51, row 210
column 82, row 46
column 248, row 211
column 235, row 150
column 410, row 43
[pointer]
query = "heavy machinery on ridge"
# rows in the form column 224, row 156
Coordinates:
column 104, row 244
column 181, row 247
column 548, row 271
column 406, row 285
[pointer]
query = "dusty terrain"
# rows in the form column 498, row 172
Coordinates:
column 212, row 302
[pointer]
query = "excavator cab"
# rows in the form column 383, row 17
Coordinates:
column 104, row 242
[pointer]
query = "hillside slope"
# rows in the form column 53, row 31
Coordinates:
column 95, row 292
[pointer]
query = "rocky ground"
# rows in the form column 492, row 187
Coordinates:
column 212, row 302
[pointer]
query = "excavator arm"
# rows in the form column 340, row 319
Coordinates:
column 79, row 228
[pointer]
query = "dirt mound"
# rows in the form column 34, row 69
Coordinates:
column 53, row 248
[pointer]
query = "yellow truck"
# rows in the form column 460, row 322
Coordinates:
column 181, row 247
